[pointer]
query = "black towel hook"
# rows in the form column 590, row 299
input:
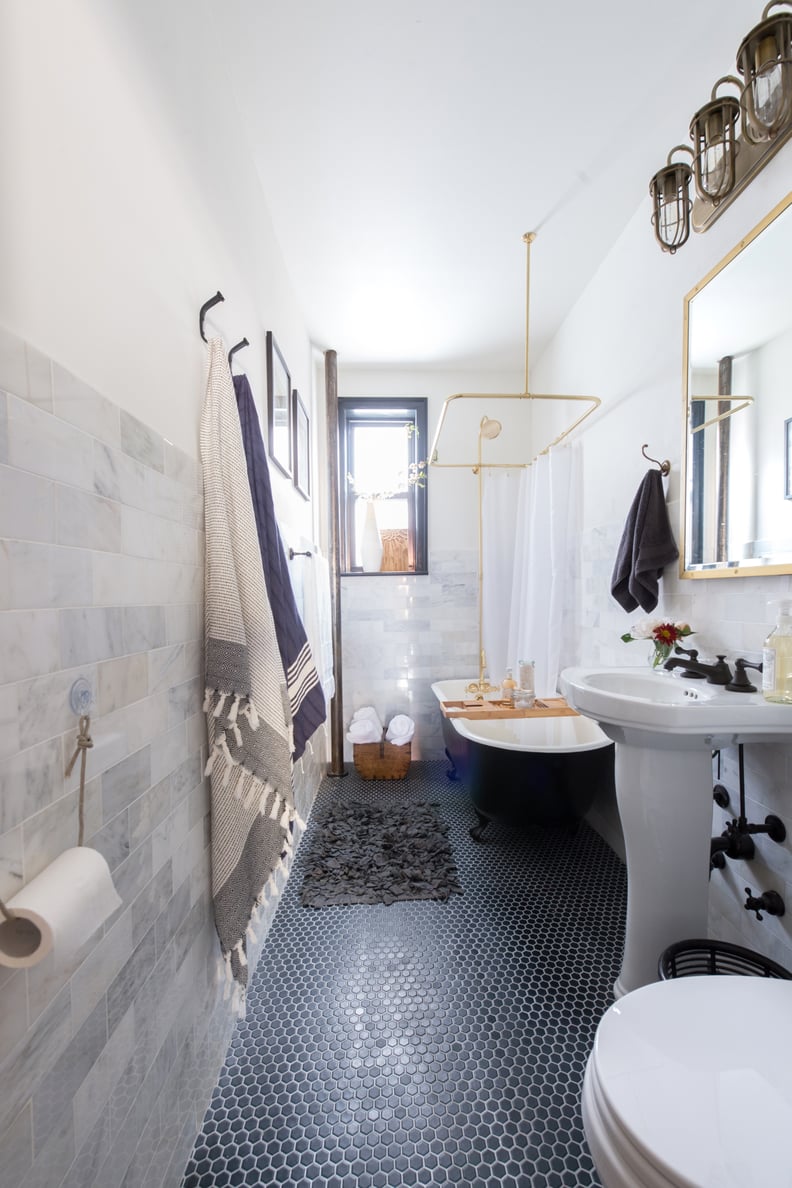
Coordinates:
column 665, row 467
column 236, row 348
column 297, row 553
column 207, row 305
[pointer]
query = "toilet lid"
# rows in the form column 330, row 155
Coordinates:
column 698, row 1072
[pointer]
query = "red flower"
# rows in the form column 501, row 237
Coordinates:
column 667, row 633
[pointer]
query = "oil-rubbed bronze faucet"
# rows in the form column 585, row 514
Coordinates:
column 740, row 682
column 716, row 674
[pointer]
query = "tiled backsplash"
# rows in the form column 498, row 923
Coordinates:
column 107, row 1064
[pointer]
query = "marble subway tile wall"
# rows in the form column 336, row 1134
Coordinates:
column 401, row 633
column 107, row 1062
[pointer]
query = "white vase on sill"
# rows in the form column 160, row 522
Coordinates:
column 370, row 540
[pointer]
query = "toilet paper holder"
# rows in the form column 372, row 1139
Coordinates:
column 7, row 911
column 75, row 894
column 81, row 699
column 59, row 909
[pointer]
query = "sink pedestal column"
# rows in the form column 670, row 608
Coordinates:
column 665, row 806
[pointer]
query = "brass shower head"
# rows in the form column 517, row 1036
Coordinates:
column 489, row 428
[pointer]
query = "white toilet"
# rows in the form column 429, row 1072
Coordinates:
column 689, row 1085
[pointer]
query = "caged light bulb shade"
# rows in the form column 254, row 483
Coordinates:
column 765, row 62
column 670, row 191
column 713, row 131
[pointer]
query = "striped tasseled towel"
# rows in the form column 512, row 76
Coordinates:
column 306, row 700
column 246, row 700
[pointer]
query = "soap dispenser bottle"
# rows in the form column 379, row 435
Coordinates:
column 508, row 687
column 777, row 658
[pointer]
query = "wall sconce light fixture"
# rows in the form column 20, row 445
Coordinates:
column 725, row 160
column 670, row 190
column 765, row 60
column 713, row 131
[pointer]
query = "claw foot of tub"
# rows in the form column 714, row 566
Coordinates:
column 477, row 831
column 452, row 773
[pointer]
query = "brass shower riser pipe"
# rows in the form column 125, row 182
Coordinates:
column 528, row 239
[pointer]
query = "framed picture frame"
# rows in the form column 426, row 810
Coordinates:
column 788, row 458
column 301, row 435
column 279, row 417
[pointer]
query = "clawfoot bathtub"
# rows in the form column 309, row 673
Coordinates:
column 526, row 771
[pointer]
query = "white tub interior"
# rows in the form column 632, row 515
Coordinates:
column 523, row 734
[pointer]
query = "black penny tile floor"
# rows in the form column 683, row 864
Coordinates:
column 425, row 1043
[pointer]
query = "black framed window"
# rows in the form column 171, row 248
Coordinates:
column 382, row 472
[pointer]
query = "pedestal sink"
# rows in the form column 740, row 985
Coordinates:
column 665, row 728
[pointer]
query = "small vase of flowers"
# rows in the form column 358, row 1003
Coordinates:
column 662, row 634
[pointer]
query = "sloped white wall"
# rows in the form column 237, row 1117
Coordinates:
column 129, row 197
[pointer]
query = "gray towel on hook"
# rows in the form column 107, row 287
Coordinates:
column 246, row 702
column 647, row 546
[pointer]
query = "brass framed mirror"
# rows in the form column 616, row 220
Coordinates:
column 737, row 414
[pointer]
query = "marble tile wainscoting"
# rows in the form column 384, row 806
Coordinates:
column 106, row 1065
column 402, row 632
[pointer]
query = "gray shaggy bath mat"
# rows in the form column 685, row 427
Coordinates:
column 362, row 854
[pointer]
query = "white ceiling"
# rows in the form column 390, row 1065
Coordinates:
column 405, row 146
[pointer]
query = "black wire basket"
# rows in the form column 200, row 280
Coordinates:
column 690, row 958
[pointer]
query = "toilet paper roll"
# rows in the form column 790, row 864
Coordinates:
column 59, row 909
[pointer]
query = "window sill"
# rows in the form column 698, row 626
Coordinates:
column 378, row 573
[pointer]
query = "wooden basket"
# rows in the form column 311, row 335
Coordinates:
column 382, row 760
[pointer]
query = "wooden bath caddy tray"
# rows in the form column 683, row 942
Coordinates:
column 546, row 707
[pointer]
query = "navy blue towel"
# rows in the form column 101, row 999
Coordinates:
column 647, row 546
column 306, row 698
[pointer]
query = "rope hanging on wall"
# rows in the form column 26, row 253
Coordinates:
column 84, row 744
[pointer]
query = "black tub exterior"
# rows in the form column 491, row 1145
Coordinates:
column 526, row 788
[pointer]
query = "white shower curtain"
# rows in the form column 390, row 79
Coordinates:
column 529, row 564
column 499, row 518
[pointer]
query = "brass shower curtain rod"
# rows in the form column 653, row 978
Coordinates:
column 747, row 401
column 593, row 401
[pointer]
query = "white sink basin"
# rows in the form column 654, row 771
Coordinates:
column 660, row 687
column 640, row 701
column 665, row 728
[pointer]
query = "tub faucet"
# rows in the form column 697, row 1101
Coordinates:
column 716, row 674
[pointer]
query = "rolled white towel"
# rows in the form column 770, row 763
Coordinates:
column 365, row 711
column 400, row 724
column 363, row 726
column 364, row 731
column 368, row 713
column 400, row 730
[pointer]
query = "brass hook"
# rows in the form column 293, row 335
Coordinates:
column 665, row 467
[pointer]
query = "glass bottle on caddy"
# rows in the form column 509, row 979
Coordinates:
column 525, row 693
column 508, row 688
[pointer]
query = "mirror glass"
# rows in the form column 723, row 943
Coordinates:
column 737, row 481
